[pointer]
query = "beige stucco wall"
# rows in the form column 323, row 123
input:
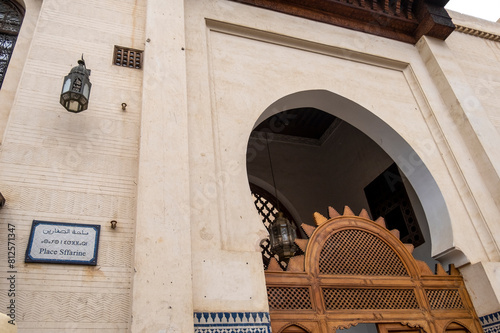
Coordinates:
column 242, row 59
column 478, row 58
column 77, row 168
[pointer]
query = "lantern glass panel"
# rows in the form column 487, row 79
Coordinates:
column 66, row 86
column 74, row 106
column 86, row 91
column 284, row 233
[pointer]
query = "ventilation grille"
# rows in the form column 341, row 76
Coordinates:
column 355, row 252
column 288, row 298
column 440, row 299
column 126, row 57
column 369, row 299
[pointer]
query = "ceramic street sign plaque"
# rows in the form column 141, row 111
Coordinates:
column 63, row 243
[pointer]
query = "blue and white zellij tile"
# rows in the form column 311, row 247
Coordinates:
column 491, row 323
column 232, row 322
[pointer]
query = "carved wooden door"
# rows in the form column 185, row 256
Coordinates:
column 356, row 271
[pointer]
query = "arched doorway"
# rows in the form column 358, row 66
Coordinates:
column 350, row 120
column 396, row 148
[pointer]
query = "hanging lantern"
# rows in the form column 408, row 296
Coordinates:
column 76, row 88
column 282, row 237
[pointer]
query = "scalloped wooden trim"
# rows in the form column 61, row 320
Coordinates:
column 301, row 243
column 348, row 211
column 308, row 229
column 364, row 214
column 274, row 266
column 319, row 219
column 332, row 212
column 424, row 268
column 440, row 270
column 381, row 222
column 296, row 264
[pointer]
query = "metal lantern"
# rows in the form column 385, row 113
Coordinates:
column 282, row 237
column 76, row 88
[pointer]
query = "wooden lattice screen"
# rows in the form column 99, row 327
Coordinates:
column 356, row 271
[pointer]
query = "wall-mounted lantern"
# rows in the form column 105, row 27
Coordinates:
column 2, row 200
column 76, row 88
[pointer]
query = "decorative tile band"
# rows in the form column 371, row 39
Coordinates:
column 232, row 322
column 477, row 33
column 491, row 323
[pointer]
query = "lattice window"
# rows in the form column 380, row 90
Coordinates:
column 388, row 198
column 127, row 57
column 11, row 17
column 356, row 252
column 444, row 299
column 288, row 298
column 369, row 299
column 266, row 205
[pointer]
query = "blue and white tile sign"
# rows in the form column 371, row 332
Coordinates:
column 63, row 243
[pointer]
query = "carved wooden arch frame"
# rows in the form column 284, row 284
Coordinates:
column 300, row 296
column 293, row 324
column 325, row 230
column 456, row 322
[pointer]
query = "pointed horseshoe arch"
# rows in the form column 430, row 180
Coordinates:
column 294, row 328
column 398, row 149
column 356, row 271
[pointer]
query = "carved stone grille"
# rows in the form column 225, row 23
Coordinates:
column 444, row 299
column 11, row 17
column 369, row 299
column 126, row 57
column 289, row 298
column 355, row 252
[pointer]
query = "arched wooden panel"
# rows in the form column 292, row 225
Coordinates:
column 398, row 328
column 456, row 328
column 357, row 252
column 358, row 246
column 356, row 271
column 294, row 329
